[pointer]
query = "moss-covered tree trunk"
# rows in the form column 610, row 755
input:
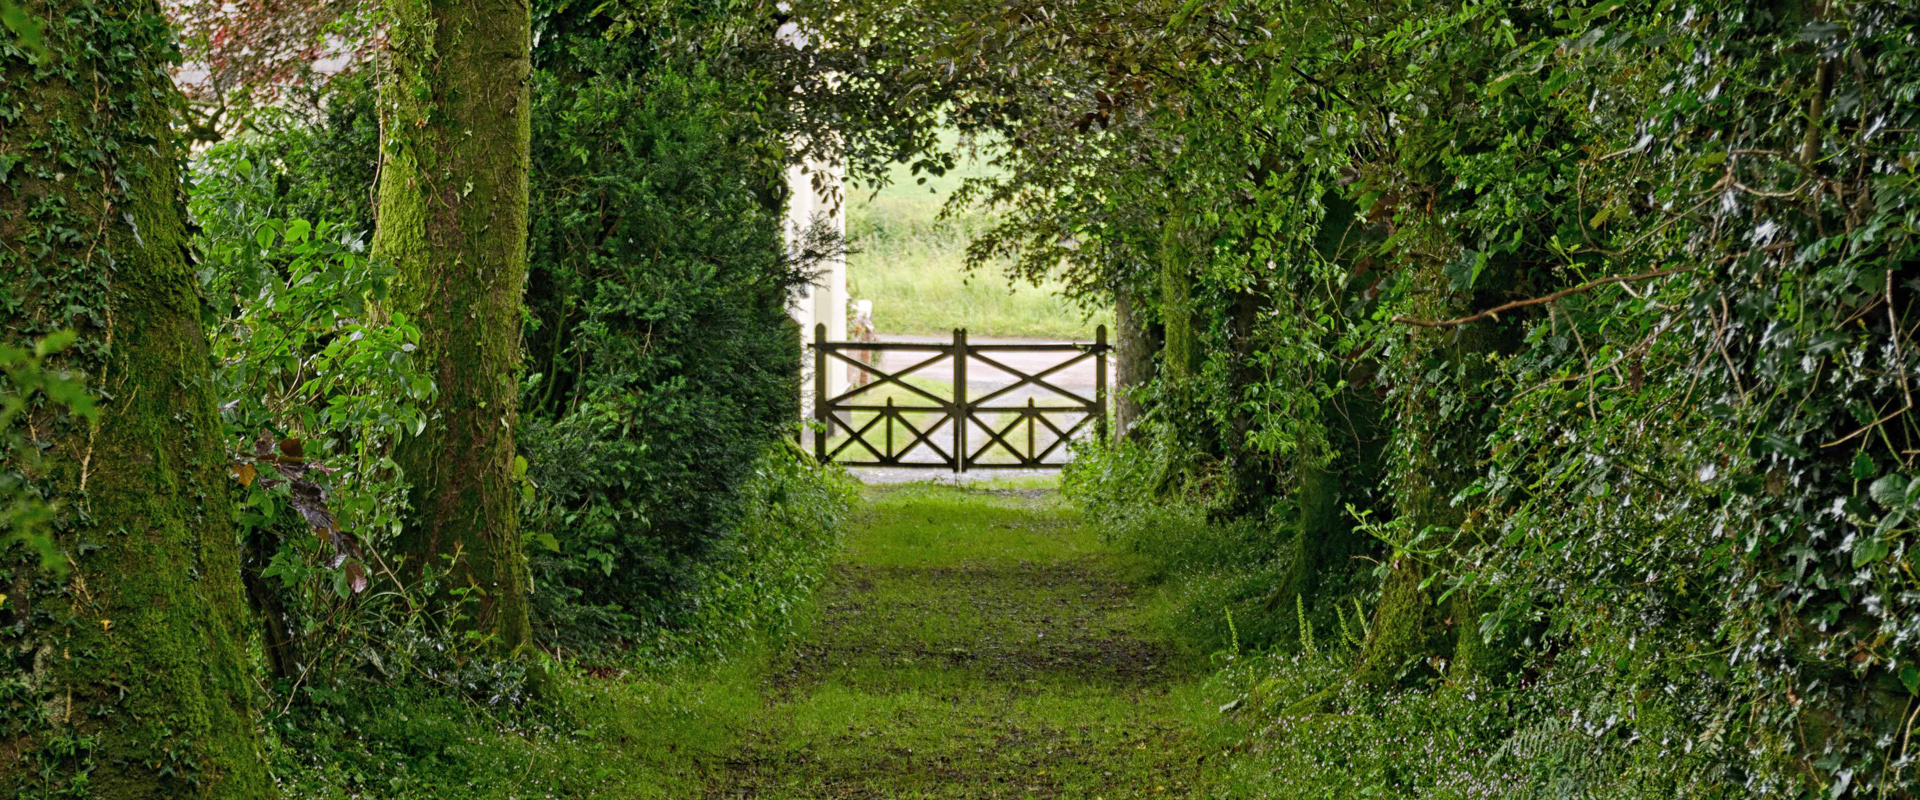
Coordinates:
column 1325, row 539
column 1181, row 354
column 1133, row 362
column 1324, row 533
column 1440, row 442
column 129, row 669
column 453, row 218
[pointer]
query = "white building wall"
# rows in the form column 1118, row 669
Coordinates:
column 826, row 300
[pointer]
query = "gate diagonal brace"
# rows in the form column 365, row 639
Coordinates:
column 919, row 437
column 1035, row 378
column 998, row 438
column 856, row 436
column 884, row 377
column 1064, row 436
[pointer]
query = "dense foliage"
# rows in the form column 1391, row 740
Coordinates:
column 658, row 339
column 1595, row 318
column 672, row 518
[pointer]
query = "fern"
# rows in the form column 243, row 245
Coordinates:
column 1306, row 627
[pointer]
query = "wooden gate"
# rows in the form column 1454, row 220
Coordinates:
column 925, row 415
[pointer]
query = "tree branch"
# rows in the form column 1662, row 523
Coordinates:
column 1495, row 312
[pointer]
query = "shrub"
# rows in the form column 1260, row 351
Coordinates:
column 662, row 360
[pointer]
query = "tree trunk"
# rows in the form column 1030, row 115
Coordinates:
column 1325, row 539
column 139, row 647
column 453, row 218
column 1324, row 533
column 1438, row 459
column 1133, row 366
column 1251, row 472
column 1181, row 353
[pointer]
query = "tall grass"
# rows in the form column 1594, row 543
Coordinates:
column 912, row 265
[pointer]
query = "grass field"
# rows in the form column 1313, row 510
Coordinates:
column 912, row 265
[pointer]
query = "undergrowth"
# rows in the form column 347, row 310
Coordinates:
column 631, row 726
column 1218, row 578
column 1308, row 731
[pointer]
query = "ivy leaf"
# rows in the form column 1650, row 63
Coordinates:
column 1465, row 270
column 1868, row 550
column 1862, row 466
column 1889, row 491
column 26, row 30
column 1910, row 677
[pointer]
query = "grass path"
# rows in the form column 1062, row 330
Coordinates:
column 975, row 644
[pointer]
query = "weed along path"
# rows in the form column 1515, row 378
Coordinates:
column 975, row 643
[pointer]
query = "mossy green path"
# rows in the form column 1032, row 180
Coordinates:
column 975, row 644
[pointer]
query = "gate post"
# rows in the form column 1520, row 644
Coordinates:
column 1100, row 383
column 960, row 411
column 820, row 393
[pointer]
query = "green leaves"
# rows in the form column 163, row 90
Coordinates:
column 1464, row 271
column 27, row 35
column 54, row 343
column 1890, row 491
column 1868, row 550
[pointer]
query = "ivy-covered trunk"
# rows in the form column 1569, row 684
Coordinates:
column 1180, row 354
column 453, row 218
column 1408, row 625
column 1442, row 421
column 1325, row 537
column 126, row 670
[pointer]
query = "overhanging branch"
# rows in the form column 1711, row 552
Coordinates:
column 1495, row 312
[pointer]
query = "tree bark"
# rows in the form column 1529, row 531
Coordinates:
column 453, row 219
column 1324, row 533
column 1325, row 539
column 1133, row 366
column 135, row 656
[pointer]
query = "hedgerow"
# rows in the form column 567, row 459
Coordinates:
column 1577, row 337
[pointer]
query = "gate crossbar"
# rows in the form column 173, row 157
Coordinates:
column 1035, row 378
column 894, row 378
